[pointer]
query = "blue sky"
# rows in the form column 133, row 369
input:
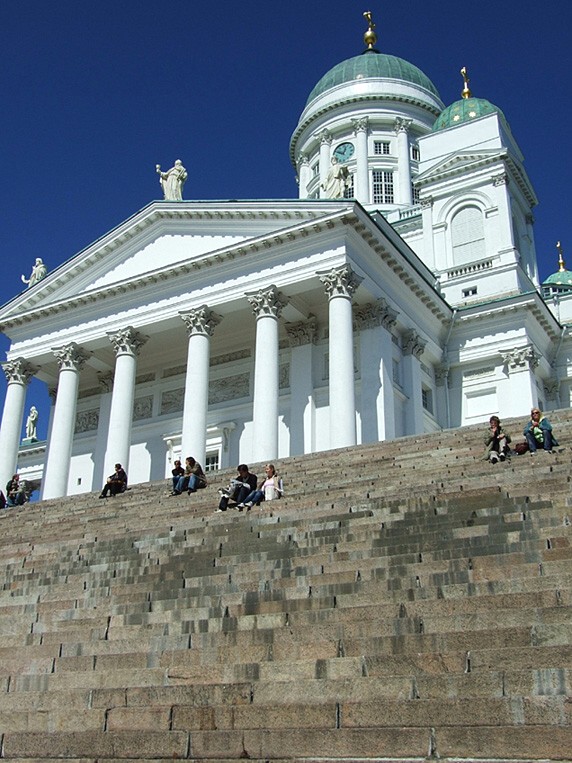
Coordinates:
column 96, row 93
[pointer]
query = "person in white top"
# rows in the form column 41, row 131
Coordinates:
column 269, row 488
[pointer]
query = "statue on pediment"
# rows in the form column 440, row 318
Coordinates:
column 39, row 271
column 172, row 181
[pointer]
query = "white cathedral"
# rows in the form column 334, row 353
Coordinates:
column 399, row 294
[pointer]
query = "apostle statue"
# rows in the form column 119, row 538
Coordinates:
column 172, row 181
column 39, row 271
column 31, row 424
column 336, row 181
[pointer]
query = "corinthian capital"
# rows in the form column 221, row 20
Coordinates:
column 201, row 321
column 72, row 357
column 520, row 358
column 303, row 332
column 127, row 341
column 360, row 125
column 18, row 371
column 340, row 282
column 267, row 302
column 413, row 344
column 402, row 125
column 375, row 314
column 325, row 137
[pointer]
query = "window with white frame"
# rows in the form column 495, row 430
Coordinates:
column 415, row 153
column 382, row 187
column 381, row 147
column 415, row 194
column 212, row 461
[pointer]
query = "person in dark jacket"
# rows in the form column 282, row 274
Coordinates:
column 496, row 441
column 116, row 482
column 15, row 495
column 241, row 486
column 193, row 478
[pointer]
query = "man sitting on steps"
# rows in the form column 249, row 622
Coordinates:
column 239, row 488
column 116, row 482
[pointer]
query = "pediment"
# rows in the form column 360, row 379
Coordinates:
column 159, row 239
column 459, row 163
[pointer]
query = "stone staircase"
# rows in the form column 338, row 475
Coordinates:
column 406, row 601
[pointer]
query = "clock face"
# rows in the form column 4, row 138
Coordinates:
column 344, row 152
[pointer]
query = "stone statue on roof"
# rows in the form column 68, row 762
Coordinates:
column 39, row 271
column 172, row 181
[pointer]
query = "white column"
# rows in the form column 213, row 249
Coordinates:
column 413, row 346
column 403, row 160
column 200, row 325
column 428, row 244
column 127, row 344
column 304, row 175
column 267, row 305
column 361, row 189
column 71, row 359
column 340, row 284
column 18, row 374
column 374, row 322
column 302, row 336
column 325, row 142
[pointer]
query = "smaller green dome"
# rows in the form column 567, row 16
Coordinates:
column 369, row 65
column 561, row 279
column 463, row 111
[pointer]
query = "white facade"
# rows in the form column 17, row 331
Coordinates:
column 251, row 331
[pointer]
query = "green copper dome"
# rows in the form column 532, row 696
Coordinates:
column 371, row 65
column 562, row 279
column 463, row 111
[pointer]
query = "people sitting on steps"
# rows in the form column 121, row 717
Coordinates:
column 269, row 488
column 496, row 441
column 116, row 482
column 15, row 493
column 239, row 488
column 177, row 472
column 538, row 433
column 192, row 480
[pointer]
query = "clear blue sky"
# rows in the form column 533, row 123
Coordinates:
column 95, row 93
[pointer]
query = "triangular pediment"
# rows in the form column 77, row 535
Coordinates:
column 458, row 163
column 161, row 238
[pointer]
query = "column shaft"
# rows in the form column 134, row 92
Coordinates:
column 267, row 306
column 127, row 343
column 18, row 373
column 55, row 483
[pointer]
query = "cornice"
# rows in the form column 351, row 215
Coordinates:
column 530, row 302
column 312, row 220
column 458, row 164
column 252, row 246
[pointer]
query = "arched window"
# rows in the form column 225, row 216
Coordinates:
column 468, row 235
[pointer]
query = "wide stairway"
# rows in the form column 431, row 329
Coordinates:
column 406, row 601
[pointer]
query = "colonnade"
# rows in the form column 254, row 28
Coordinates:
column 360, row 128
column 267, row 305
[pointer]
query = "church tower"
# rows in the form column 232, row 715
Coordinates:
column 366, row 114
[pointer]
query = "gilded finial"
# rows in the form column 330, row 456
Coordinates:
column 370, row 37
column 466, row 93
column 561, row 264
